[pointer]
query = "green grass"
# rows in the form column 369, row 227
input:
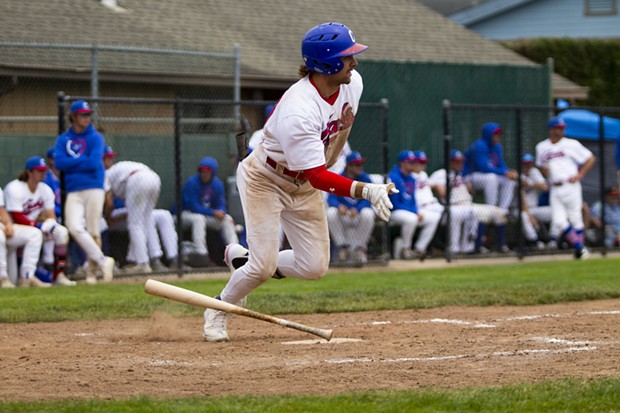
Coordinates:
column 510, row 284
column 567, row 396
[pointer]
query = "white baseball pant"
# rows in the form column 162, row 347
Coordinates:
column 269, row 199
column 143, row 189
column 566, row 202
column 408, row 222
column 30, row 238
column 87, row 204
column 489, row 214
column 199, row 224
column 431, row 216
column 463, row 229
column 349, row 230
column 498, row 189
column 55, row 242
column 542, row 215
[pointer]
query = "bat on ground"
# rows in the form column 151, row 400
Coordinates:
column 183, row 295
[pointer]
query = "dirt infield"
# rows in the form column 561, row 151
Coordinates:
column 445, row 347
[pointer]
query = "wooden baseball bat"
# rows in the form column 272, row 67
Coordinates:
column 183, row 295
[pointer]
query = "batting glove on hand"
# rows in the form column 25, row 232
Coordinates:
column 378, row 197
column 48, row 227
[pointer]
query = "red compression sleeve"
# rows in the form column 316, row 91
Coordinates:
column 20, row 218
column 321, row 178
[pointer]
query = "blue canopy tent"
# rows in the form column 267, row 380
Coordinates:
column 584, row 125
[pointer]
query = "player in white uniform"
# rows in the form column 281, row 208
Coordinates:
column 463, row 221
column 532, row 184
column 30, row 202
column 428, row 206
column 565, row 162
column 13, row 236
column 139, row 186
column 281, row 180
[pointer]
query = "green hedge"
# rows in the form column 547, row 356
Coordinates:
column 588, row 62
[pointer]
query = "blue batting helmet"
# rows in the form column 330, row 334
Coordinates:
column 324, row 45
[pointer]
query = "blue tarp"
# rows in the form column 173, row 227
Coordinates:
column 583, row 124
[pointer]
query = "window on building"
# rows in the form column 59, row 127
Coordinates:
column 601, row 7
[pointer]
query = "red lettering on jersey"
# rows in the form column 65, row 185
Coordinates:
column 31, row 205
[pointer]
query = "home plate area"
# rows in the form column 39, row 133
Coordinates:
column 165, row 356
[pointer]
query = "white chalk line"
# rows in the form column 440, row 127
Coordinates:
column 490, row 325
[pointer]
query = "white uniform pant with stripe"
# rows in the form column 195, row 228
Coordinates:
column 199, row 224
column 431, row 217
column 542, row 215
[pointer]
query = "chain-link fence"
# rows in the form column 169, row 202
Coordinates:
column 528, row 218
column 173, row 136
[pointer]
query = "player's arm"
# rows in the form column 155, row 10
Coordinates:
column 20, row 218
column 324, row 180
column 583, row 169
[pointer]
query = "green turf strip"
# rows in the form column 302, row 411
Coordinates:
column 566, row 396
column 509, row 284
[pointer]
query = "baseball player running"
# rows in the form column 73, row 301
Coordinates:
column 30, row 202
column 281, row 180
column 15, row 236
column 139, row 186
column 78, row 153
column 565, row 162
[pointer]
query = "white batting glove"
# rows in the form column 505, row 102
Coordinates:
column 378, row 197
column 48, row 227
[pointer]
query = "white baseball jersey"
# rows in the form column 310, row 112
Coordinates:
column 423, row 192
column 531, row 194
column 459, row 192
column 295, row 123
column 116, row 176
column 19, row 198
column 562, row 158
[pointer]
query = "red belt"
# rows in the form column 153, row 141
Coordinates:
column 295, row 175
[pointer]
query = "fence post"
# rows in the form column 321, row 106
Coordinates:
column 601, row 151
column 387, row 250
column 60, row 99
column 177, row 182
column 94, row 80
column 519, row 133
column 447, row 138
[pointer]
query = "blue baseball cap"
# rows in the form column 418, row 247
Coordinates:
column 556, row 122
column 457, row 155
column 406, row 156
column 51, row 152
column 108, row 152
column 80, row 106
column 355, row 158
column 36, row 162
column 420, row 156
column 527, row 158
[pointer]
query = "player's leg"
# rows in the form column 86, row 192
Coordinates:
column 61, row 247
column 337, row 232
column 5, row 282
column 506, row 192
column 31, row 239
column 165, row 226
column 429, row 227
column 360, row 233
column 488, row 183
column 198, row 224
column 408, row 222
column 93, row 210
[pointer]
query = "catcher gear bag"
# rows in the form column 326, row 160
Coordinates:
column 324, row 45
